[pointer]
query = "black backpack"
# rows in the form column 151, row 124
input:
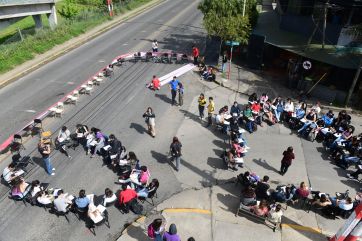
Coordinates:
column 135, row 206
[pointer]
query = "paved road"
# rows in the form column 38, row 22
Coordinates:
column 115, row 107
column 172, row 23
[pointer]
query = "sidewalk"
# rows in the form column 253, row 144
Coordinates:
column 71, row 44
column 206, row 207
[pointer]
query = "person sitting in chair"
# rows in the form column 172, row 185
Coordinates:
column 151, row 188
column 10, row 172
column 108, row 197
column 125, row 197
column 82, row 201
column 62, row 140
column 20, row 188
column 261, row 209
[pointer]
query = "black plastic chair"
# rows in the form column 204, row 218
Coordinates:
column 59, row 213
column 92, row 226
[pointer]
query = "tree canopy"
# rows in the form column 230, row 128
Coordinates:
column 224, row 18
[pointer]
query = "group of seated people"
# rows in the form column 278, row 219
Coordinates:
column 229, row 124
column 135, row 179
column 336, row 132
column 206, row 72
column 256, row 189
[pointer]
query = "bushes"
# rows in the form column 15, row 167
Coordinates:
column 43, row 40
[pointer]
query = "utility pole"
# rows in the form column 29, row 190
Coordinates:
column 325, row 22
column 356, row 77
column 244, row 7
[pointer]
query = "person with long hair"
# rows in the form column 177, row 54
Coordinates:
column 150, row 121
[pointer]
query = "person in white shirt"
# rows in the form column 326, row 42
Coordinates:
column 155, row 46
column 109, row 197
column 275, row 214
column 62, row 140
column 10, row 173
column 62, row 202
column 44, row 198
column 288, row 109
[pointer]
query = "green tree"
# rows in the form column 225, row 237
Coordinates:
column 69, row 10
column 224, row 18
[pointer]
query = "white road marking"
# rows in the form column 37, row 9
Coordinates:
column 125, row 44
column 101, row 61
column 30, row 111
column 70, row 83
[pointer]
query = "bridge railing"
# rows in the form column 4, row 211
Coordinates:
column 23, row 2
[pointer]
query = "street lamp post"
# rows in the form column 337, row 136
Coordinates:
column 231, row 44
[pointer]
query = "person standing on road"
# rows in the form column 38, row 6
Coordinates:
column 44, row 150
column 175, row 150
column 210, row 111
column 195, row 54
column 150, row 121
column 180, row 94
column 202, row 103
column 174, row 86
column 155, row 46
column 288, row 157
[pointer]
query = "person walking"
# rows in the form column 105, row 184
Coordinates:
column 174, row 86
column 195, row 54
column 171, row 235
column 155, row 46
column 210, row 111
column 288, row 157
column 224, row 61
column 180, row 94
column 45, row 150
column 150, row 121
column 202, row 103
column 175, row 150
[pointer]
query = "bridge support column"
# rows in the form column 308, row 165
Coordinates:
column 38, row 22
column 52, row 17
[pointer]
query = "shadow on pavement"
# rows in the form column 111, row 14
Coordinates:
column 164, row 98
column 216, row 163
column 139, row 128
column 265, row 164
column 137, row 233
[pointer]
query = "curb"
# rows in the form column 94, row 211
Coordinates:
column 83, row 39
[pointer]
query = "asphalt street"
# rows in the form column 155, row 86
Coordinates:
column 176, row 24
column 115, row 107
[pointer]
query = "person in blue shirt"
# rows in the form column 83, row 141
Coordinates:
column 328, row 118
column 174, row 86
column 82, row 201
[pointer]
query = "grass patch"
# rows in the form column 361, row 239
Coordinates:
column 14, row 54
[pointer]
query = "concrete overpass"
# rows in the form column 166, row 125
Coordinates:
column 14, row 10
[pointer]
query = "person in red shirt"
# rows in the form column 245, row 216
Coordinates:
column 256, row 108
column 156, row 83
column 288, row 157
column 125, row 197
column 195, row 54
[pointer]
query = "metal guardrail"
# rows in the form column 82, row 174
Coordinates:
column 23, row 2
